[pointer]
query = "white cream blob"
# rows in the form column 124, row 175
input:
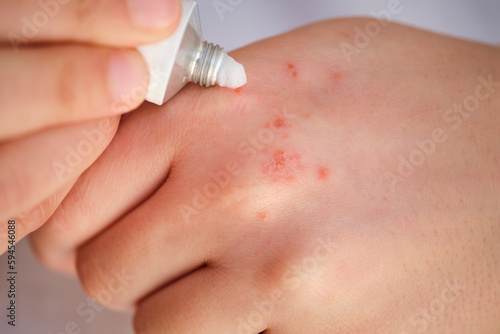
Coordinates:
column 231, row 74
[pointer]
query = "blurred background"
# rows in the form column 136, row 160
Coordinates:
column 47, row 303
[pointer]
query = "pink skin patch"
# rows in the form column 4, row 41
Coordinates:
column 337, row 77
column 283, row 166
column 323, row 173
column 262, row 216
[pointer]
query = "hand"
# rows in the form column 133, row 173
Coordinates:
column 326, row 196
column 65, row 62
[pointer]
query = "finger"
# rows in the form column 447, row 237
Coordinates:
column 210, row 300
column 63, row 261
column 135, row 164
column 75, row 83
column 155, row 230
column 32, row 219
column 35, row 167
column 111, row 22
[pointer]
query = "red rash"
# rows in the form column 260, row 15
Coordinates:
column 238, row 90
column 337, row 77
column 323, row 173
column 278, row 123
column 262, row 215
column 291, row 67
column 282, row 166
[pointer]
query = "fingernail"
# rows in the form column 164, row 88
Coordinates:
column 153, row 14
column 128, row 77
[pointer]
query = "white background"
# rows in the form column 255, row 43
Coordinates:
column 47, row 301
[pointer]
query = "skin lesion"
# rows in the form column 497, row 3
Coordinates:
column 292, row 70
column 336, row 77
column 262, row 215
column 277, row 124
column 323, row 173
column 282, row 165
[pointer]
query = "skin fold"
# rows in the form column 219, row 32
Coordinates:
column 347, row 188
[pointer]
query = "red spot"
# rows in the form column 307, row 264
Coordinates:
column 282, row 166
column 337, row 77
column 238, row 90
column 307, row 116
column 278, row 123
column 291, row 67
column 323, row 173
column 285, row 136
column 262, row 216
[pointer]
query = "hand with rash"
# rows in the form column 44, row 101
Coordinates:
column 340, row 191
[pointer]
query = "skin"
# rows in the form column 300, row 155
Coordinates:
column 311, row 229
column 64, row 66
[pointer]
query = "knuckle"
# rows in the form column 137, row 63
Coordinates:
column 92, row 277
column 101, row 279
column 145, row 323
column 48, row 256
column 42, row 254
column 141, row 323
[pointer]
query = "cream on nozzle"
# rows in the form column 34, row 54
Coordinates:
column 184, row 57
column 231, row 73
